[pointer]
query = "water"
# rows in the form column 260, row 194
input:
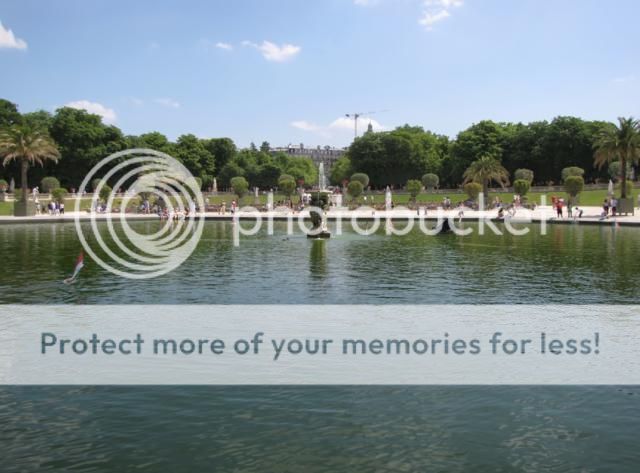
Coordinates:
column 357, row 429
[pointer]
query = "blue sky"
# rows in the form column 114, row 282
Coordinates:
column 287, row 71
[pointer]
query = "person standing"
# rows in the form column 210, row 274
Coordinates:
column 614, row 206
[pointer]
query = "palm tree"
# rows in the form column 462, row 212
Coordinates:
column 29, row 146
column 485, row 170
column 619, row 142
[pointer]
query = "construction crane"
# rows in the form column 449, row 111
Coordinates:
column 357, row 115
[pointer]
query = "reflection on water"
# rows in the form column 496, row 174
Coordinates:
column 572, row 264
column 318, row 259
column 480, row 429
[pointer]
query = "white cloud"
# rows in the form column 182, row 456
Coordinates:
column 272, row 52
column 9, row 41
column 167, row 102
column 108, row 115
column 429, row 18
column 225, row 46
column 623, row 80
column 436, row 11
column 338, row 126
column 305, row 125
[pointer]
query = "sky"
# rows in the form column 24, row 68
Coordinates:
column 287, row 71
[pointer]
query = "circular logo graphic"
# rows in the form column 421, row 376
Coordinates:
column 145, row 175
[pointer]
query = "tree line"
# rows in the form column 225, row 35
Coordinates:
column 546, row 148
column 82, row 140
column 484, row 152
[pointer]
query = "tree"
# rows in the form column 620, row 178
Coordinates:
column 228, row 172
column 9, row 114
column 302, row 169
column 572, row 171
column 621, row 143
column 355, row 189
column 49, row 183
column 473, row 189
column 362, row 178
column 391, row 158
column 340, row 171
column 615, row 170
column 265, row 147
column 222, row 149
column 287, row 185
column 193, row 154
column 629, row 189
column 105, row 193
column 574, row 185
column 414, row 187
column 521, row 186
column 481, row 139
column 29, row 147
column 485, row 170
column 240, row 186
column 430, row 181
column 83, row 141
column 38, row 120
column 523, row 175
column 58, row 194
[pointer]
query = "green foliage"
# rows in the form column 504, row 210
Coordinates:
column 58, row 194
column 38, row 120
column 228, row 172
column 485, row 170
column 628, row 189
column 521, row 186
column 207, row 181
column 523, row 175
column 83, row 141
column 222, row 149
column 615, row 170
column 240, row 186
column 430, row 181
column 95, row 183
column 391, row 158
column 574, row 185
column 340, row 171
column 9, row 114
column 302, row 169
column 191, row 152
column 621, row 143
column 287, row 185
column 105, row 193
column 26, row 146
column 485, row 138
column 572, row 171
column 4, row 185
column 362, row 178
column 47, row 184
column 414, row 187
column 355, row 188
column 473, row 189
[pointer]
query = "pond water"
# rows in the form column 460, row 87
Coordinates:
column 357, row 429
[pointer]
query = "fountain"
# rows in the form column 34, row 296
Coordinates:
column 388, row 199
column 320, row 199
